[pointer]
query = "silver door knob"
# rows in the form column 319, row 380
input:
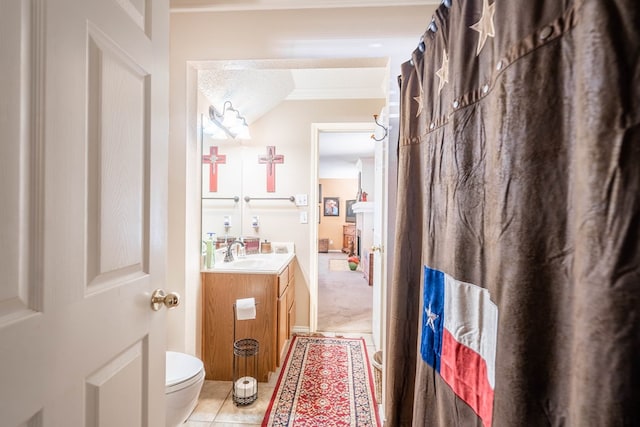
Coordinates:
column 158, row 298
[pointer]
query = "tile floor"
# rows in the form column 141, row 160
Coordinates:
column 216, row 408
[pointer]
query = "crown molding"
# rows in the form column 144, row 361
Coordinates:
column 178, row 6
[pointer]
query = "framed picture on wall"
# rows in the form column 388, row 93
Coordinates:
column 349, row 215
column 331, row 206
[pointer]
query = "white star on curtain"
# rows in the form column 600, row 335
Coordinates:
column 443, row 72
column 484, row 26
column 419, row 99
column 431, row 317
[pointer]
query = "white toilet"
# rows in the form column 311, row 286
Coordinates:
column 184, row 379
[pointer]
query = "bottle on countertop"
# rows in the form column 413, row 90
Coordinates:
column 265, row 247
column 242, row 252
column 210, row 254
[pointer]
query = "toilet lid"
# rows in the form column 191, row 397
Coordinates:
column 181, row 367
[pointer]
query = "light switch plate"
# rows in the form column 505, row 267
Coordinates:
column 303, row 217
column 301, row 200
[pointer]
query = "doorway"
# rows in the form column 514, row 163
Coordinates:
column 345, row 298
column 365, row 129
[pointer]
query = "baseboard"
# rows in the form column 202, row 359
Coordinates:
column 300, row 329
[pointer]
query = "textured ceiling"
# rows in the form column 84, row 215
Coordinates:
column 253, row 92
column 256, row 91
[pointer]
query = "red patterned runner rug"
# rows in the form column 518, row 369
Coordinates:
column 324, row 382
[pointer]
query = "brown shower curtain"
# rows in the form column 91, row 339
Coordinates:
column 515, row 298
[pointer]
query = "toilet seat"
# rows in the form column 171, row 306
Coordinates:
column 182, row 370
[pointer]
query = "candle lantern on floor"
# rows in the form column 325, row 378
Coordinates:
column 245, row 360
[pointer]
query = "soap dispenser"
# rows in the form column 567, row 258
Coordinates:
column 210, row 257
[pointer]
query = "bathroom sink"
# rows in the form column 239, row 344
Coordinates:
column 251, row 263
column 258, row 263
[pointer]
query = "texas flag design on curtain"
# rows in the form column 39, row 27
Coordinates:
column 459, row 329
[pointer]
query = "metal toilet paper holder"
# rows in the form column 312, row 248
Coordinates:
column 245, row 367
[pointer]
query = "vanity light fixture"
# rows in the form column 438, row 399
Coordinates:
column 229, row 124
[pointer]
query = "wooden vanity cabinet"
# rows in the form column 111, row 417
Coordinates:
column 270, row 327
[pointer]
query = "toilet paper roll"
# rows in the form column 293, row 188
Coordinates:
column 246, row 308
column 246, row 387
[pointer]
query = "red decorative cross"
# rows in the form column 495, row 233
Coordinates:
column 213, row 159
column 271, row 159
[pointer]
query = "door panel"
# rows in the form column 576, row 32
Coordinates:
column 113, row 393
column 20, row 180
column 117, row 164
column 85, row 212
column 21, row 215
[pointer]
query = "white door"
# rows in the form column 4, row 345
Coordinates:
column 379, row 229
column 83, row 171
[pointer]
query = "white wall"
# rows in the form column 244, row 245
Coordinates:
column 282, row 34
column 366, row 168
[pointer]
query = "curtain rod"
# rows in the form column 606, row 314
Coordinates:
column 234, row 198
column 432, row 27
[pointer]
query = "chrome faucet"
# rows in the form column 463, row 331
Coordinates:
column 228, row 257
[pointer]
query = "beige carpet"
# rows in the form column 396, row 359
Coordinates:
column 345, row 300
column 338, row 265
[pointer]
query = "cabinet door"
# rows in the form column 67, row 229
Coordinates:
column 220, row 292
column 282, row 325
column 283, row 281
column 291, row 307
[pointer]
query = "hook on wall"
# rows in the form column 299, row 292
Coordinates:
column 373, row 136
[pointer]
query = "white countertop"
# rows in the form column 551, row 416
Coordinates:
column 272, row 263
